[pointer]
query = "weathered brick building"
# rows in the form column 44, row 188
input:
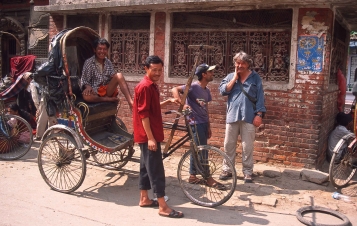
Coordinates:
column 297, row 48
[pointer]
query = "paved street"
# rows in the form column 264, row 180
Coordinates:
column 111, row 198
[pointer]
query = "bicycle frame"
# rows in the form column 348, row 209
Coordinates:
column 188, row 137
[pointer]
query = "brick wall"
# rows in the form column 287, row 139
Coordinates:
column 298, row 120
column 55, row 25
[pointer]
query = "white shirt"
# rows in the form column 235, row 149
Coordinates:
column 335, row 136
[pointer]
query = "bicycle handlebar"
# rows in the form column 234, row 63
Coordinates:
column 184, row 112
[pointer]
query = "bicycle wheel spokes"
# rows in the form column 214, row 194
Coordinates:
column 61, row 164
column 208, row 190
column 15, row 137
column 115, row 160
column 341, row 170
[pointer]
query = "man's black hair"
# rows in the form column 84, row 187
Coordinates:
column 101, row 41
column 153, row 60
column 14, row 107
column 343, row 119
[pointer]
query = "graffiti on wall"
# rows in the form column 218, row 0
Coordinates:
column 310, row 53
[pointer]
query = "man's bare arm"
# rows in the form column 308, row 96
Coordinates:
column 152, row 144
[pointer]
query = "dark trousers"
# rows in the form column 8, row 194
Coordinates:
column 200, row 136
column 152, row 174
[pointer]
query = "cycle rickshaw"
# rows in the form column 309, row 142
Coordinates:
column 94, row 130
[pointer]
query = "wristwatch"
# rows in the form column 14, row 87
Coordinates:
column 259, row 114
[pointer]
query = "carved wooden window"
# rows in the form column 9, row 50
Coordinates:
column 264, row 34
column 339, row 52
column 41, row 49
column 39, row 40
column 130, row 43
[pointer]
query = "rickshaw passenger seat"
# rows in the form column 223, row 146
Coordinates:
column 96, row 110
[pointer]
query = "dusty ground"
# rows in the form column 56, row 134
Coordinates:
column 290, row 192
column 26, row 198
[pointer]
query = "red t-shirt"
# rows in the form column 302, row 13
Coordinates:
column 147, row 104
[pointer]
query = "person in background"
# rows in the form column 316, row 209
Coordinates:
column 342, row 120
column 197, row 100
column 245, row 111
column 14, row 109
column 43, row 120
column 148, row 133
column 24, row 98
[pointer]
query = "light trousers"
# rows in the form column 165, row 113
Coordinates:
column 247, row 134
column 43, row 120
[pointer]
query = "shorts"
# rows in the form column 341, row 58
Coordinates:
column 102, row 91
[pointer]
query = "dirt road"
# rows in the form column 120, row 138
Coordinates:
column 111, row 198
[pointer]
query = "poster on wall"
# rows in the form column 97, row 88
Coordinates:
column 310, row 53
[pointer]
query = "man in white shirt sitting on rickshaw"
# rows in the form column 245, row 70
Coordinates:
column 99, row 81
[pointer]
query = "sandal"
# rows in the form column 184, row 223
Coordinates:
column 154, row 203
column 195, row 180
column 173, row 214
column 248, row 179
column 217, row 186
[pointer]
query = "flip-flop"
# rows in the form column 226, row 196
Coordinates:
column 154, row 203
column 173, row 214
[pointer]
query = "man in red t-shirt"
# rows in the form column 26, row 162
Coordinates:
column 148, row 133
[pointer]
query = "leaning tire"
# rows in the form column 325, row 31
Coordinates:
column 308, row 209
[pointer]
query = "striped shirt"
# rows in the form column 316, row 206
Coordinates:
column 95, row 77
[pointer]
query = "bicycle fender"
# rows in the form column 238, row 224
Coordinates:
column 60, row 128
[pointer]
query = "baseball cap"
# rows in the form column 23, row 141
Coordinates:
column 203, row 68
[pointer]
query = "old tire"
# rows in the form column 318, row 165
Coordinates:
column 308, row 209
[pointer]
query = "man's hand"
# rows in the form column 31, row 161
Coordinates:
column 88, row 91
column 257, row 121
column 236, row 75
column 152, row 144
column 175, row 101
column 170, row 100
column 186, row 107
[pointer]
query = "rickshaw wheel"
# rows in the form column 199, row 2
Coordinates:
column 15, row 137
column 62, row 165
column 199, row 192
column 341, row 170
column 115, row 160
